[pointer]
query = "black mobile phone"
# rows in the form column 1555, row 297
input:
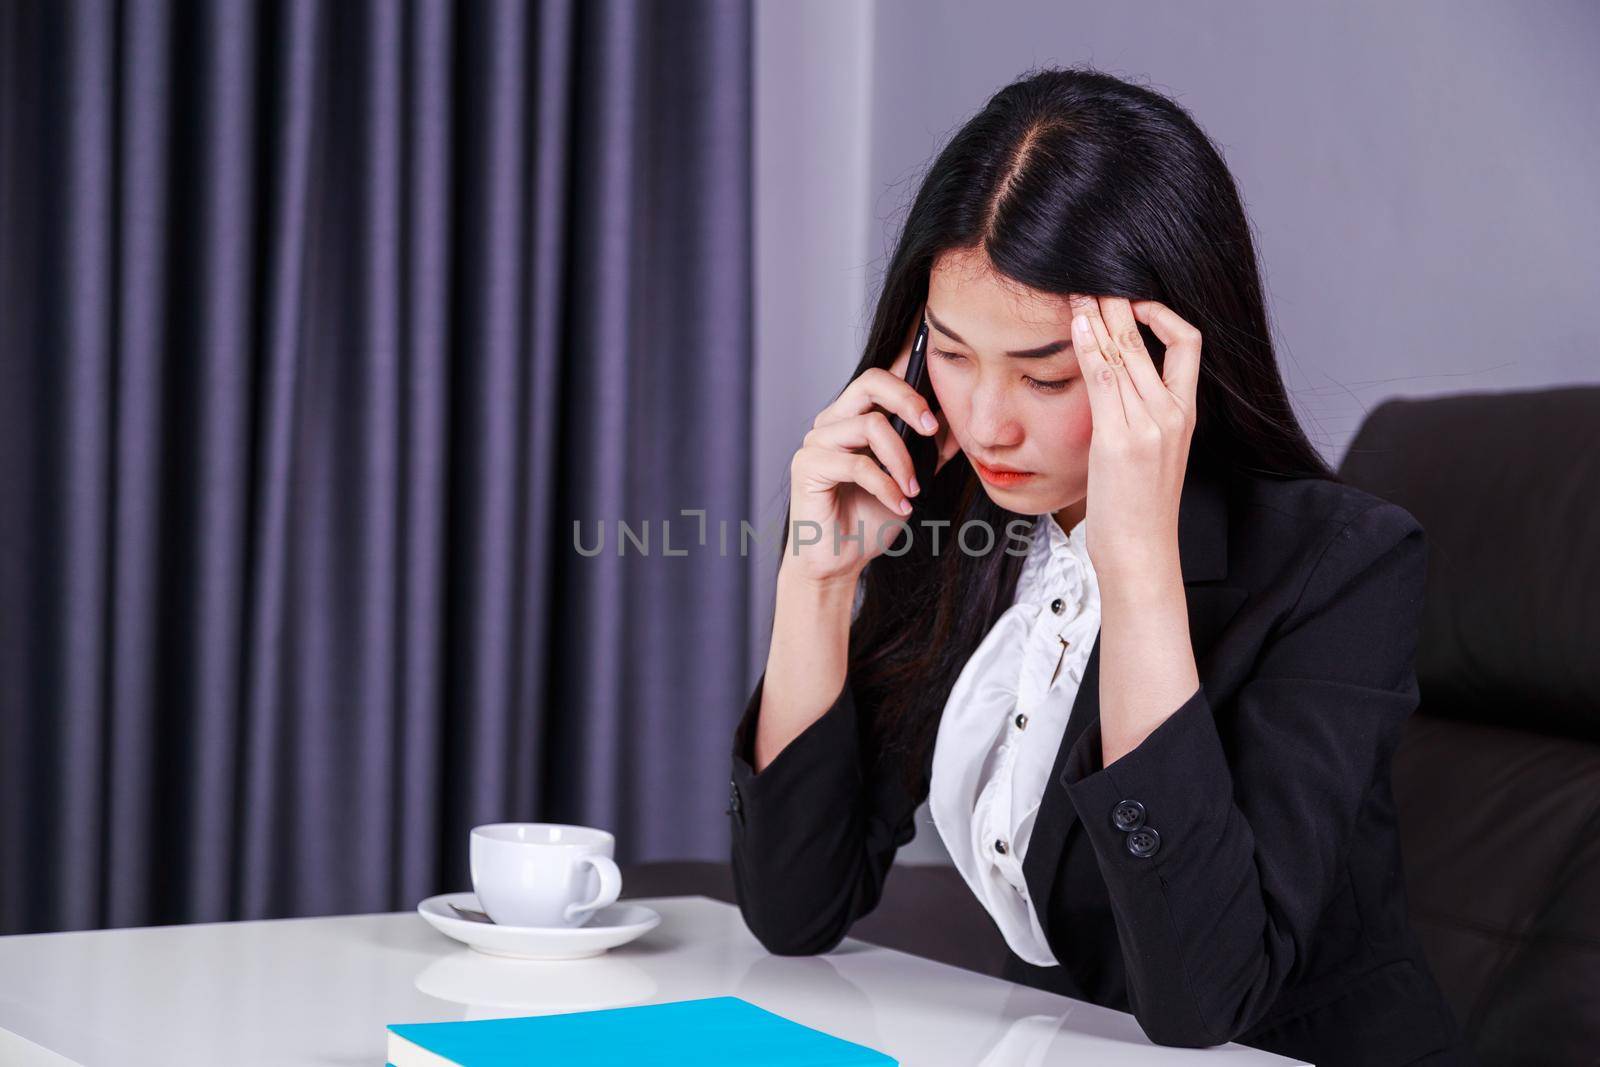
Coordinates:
column 924, row 448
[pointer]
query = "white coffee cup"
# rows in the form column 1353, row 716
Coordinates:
column 543, row 873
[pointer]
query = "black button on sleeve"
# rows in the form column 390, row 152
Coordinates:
column 1144, row 842
column 1127, row 815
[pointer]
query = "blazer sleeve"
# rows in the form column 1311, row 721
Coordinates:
column 813, row 836
column 1216, row 906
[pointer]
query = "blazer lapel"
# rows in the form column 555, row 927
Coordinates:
column 1203, row 555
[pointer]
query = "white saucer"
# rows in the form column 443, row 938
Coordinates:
column 616, row 924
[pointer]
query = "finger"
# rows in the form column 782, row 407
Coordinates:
column 873, row 431
column 878, row 388
column 833, row 468
column 1133, row 406
column 1180, row 367
column 1105, row 396
column 1141, row 368
column 1089, row 307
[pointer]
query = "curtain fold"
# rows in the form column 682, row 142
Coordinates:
column 320, row 325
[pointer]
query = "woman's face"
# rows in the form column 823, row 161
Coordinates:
column 1026, row 413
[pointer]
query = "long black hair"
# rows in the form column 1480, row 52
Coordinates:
column 1069, row 181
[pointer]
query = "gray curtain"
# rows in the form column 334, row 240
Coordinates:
column 320, row 324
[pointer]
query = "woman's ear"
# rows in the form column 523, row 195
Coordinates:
column 903, row 360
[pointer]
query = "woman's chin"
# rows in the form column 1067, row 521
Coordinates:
column 1024, row 499
column 1034, row 497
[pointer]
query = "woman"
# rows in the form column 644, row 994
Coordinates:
column 1153, row 709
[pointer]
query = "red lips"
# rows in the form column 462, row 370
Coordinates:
column 1003, row 477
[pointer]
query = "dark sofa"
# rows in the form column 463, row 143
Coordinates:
column 1497, row 780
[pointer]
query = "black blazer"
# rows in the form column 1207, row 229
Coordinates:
column 1254, row 892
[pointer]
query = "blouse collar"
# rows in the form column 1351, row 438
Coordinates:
column 1059, row 543
column 1058, row 565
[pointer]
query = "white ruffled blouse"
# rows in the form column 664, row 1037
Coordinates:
column 1003, row 722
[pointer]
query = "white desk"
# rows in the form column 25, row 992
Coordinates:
column 321, row 991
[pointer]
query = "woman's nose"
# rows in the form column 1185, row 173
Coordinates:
column 992, row 425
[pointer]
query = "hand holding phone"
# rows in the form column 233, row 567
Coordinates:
column 853, row 474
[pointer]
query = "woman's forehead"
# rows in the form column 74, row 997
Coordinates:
column 983, row 310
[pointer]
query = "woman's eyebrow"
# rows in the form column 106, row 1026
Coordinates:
column 1042, row 352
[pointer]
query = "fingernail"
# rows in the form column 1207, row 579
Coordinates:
column 912, row 485
column 929, row 423
column 905, row 507
column 1080, row 323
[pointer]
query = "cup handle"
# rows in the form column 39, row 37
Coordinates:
column 610, row 888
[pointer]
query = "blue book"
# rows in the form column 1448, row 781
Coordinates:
column 703, row 1032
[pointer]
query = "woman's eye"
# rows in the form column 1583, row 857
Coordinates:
column 1036, row 384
